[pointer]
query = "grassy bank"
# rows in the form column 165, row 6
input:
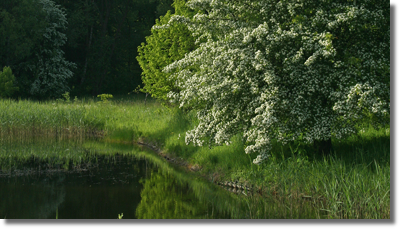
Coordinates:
column 352, row 183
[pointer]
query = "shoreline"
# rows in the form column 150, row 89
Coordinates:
column 231, row 186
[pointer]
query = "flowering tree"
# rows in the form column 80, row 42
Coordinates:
column 286, row 70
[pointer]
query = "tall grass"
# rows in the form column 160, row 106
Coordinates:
column 353, row 182
column 122, row 119
column 36, row 155
column 49, row 118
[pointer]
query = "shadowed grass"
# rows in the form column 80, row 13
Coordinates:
column 25, row 156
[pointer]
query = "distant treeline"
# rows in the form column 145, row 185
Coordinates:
column 87, row 47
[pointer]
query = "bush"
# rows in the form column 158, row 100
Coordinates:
column 7, row 83
column 104, row 97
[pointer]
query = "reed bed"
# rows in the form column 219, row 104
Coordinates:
column 28, row 118
column 21, row 157
column 25, row 122
column 121, row 119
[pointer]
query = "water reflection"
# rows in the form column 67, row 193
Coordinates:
column 186, row 195
column 165, row 197
column 31, row 197
column 119, row 178
column 99, row 193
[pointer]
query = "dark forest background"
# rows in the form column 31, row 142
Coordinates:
column 102, row 39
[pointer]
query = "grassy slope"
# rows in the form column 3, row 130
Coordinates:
column 353, row 183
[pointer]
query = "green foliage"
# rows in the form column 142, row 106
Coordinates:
column 66, row 96
column 22, row 24
column 104, row 97
column 103, row 42
column 52, row 69
column 7, row 83
column 31, row 40
column 163, row 197
column 162, row 47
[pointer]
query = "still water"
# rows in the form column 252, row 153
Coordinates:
column 95, row 180
column 101, row 192
column 111, row 184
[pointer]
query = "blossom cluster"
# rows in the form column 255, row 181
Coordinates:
column 288, row 70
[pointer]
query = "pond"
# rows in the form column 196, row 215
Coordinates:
column 103, row 192
column 95, row 180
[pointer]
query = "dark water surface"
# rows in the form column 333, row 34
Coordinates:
column 108, row 185
column 102, row 192
column 94, row 180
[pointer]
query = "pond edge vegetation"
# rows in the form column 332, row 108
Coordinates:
column 360, row 189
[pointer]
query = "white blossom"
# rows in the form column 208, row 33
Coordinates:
column 281, row 70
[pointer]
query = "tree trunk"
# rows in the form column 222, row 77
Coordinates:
column 323, row 147
column 116, row 37
column 87, row 54
column 105, row 16
column 89, row 42
column 7, row 53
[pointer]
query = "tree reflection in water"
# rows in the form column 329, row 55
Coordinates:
column 164, row 197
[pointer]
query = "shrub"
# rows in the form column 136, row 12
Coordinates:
column 7, row 83
column 104, row 97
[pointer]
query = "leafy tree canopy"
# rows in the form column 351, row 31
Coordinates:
column 31, row 38
column 284, row 70
column 52, row 69
column 163, row 47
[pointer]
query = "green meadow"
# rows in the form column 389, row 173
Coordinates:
column 351, row 183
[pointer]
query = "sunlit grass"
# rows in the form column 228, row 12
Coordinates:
column 121, row 119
